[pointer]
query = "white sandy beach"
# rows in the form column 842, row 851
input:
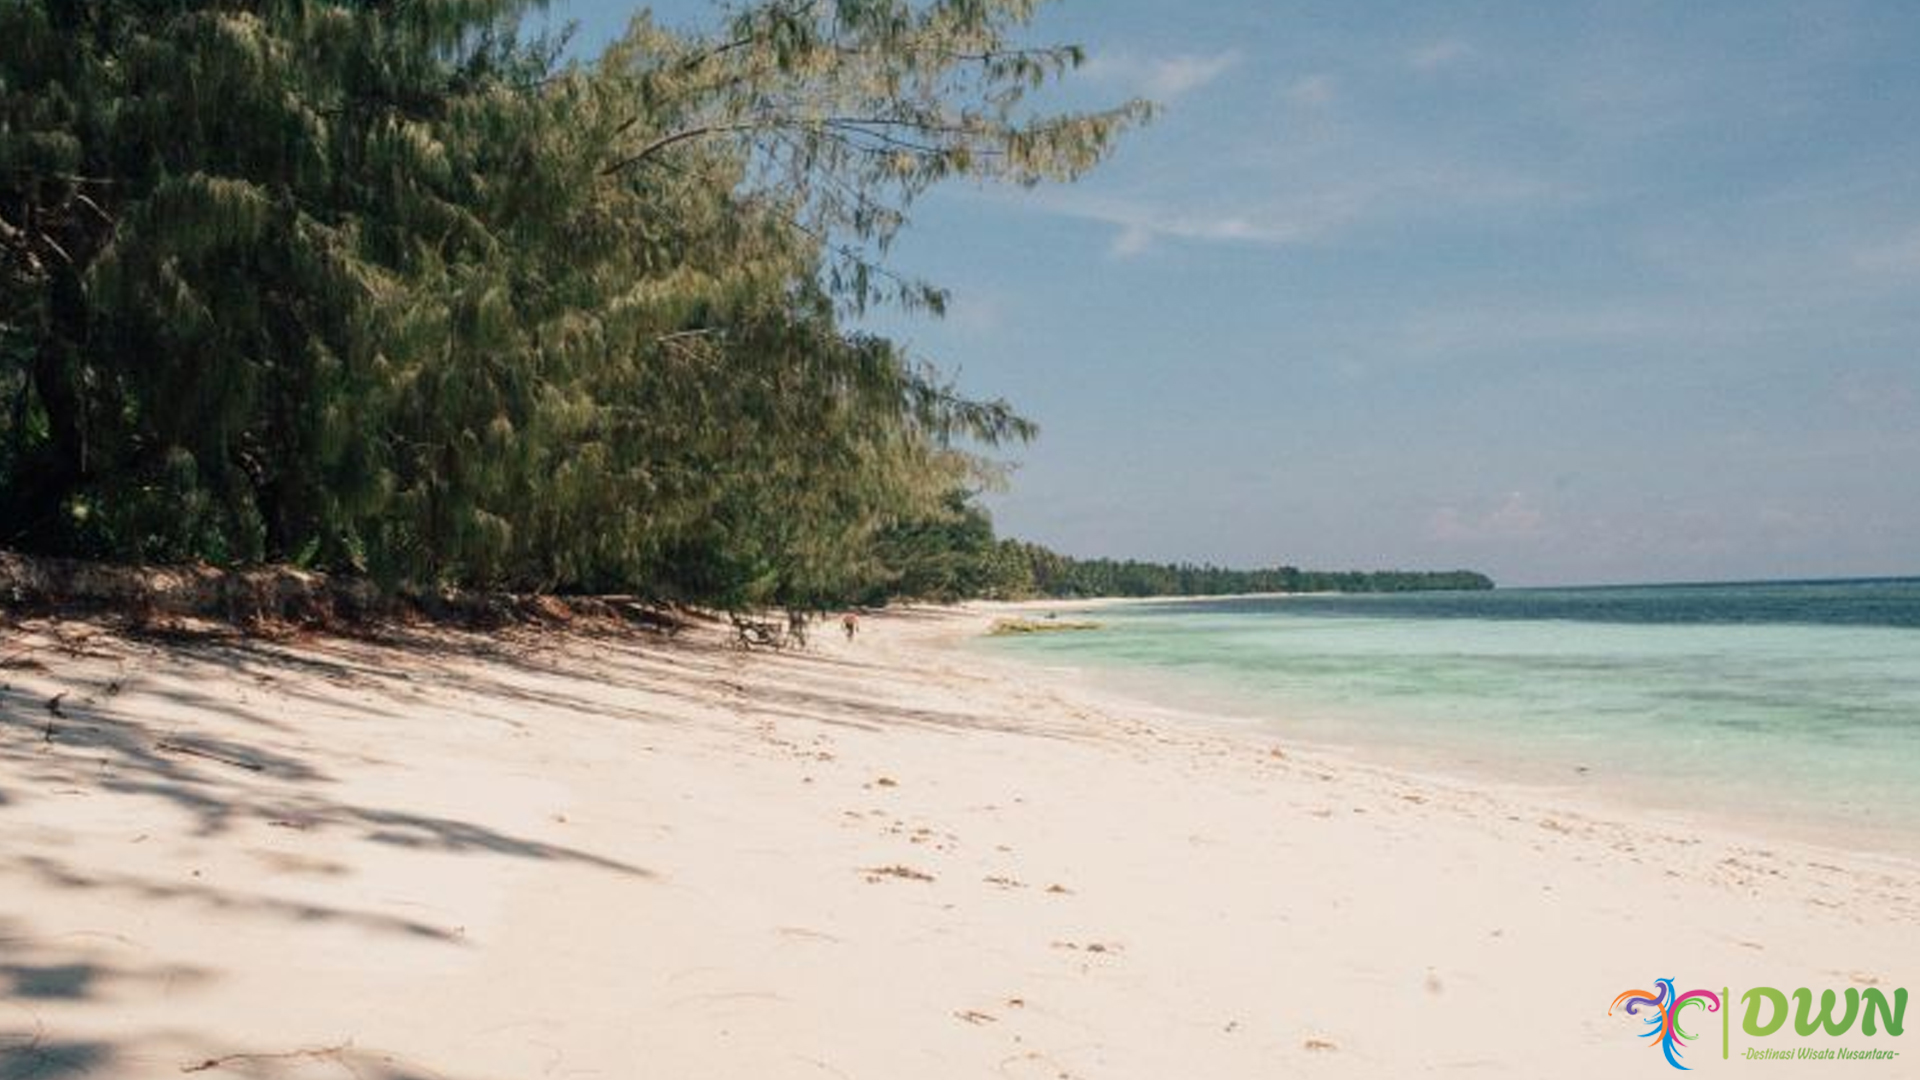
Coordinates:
column 566, row 856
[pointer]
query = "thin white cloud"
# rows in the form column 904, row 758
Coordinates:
column 1467, row 326
column 1302, row 174
column 1435, row 55
column 1514, row 518
column 1132, row 239
column 1311, row 91
column 1140, row 224
column 1140, row 227
column 1162, row 78
column 1305, row 201
column 1875, row 393
column 976, row 312
column 1898, row 256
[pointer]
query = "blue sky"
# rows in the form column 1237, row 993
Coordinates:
column 1620, row 291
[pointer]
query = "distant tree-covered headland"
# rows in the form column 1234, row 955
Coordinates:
column 398, row 291
column 1055, row 575
column 956, row 556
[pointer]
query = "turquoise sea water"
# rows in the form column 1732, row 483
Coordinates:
column 1798, row 702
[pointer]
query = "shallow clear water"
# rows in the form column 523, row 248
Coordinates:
column 1798, row 701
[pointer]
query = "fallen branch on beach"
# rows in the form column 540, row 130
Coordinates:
column 168, row 746
column 213, row 1063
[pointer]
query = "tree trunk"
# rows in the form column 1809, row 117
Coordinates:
column 55, row 379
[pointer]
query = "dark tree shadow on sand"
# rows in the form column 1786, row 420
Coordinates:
column 90, row 743
column 44, row 1059
column 71, row 727
column 72, row 697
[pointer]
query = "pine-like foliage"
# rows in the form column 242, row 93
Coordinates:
column 387, row 288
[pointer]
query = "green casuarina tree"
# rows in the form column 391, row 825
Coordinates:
column 387, row 288
column 950, row 555
column 846, row 111
column 225, row 221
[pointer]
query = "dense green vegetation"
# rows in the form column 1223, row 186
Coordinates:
column 957, row 556
column 386, row 288
column 393, row 290
column 1057, row 575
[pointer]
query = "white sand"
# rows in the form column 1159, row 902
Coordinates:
column 615, row 858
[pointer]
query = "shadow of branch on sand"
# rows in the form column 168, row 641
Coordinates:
column 196, row 745
column 43, row 973
column 216, row 901
column 56, row 736
column 231, row 740
column 40, row 974
column 35, row 1057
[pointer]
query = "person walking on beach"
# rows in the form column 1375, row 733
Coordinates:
column 850, row 623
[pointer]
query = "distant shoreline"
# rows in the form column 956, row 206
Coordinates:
column 1114, row 601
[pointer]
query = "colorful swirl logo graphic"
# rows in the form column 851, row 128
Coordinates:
column 1664, row 1026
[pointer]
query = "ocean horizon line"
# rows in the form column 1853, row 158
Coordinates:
column 1703, row 583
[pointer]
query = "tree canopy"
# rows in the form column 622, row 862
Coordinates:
column 394, row 289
